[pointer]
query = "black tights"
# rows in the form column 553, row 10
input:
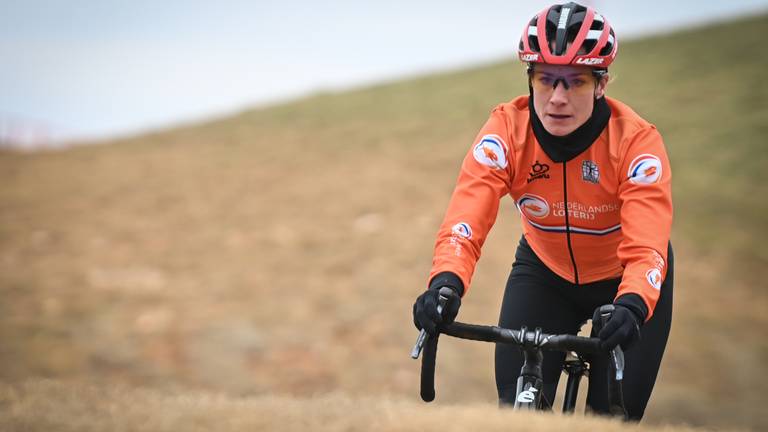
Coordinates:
column 537, row 297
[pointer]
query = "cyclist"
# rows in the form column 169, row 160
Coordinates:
column 591, row 180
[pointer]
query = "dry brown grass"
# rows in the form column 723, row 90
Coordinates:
column 45, row 406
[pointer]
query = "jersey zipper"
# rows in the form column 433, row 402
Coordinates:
column 568, row 226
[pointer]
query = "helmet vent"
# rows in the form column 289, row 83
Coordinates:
column 609, row 45
column 533, row 42
column 587, row 46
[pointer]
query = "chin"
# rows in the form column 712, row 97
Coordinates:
column 559, row 130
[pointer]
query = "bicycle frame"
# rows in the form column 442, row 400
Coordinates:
column 530, row 395
column 575, row 369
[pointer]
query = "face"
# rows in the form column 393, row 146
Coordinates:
column 562, row 110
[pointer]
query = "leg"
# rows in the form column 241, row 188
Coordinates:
column 642, row 360
column 532, row 299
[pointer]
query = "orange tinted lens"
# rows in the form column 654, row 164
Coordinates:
column 578, row 83
column 581, row 83
column 541, row 82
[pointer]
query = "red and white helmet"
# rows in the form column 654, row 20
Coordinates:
column 568, row 34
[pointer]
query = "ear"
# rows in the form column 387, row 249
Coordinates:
column 601, row 86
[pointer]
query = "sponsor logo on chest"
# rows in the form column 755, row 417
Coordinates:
column 537, row 207
column 533, row 206
column 538, row 171
column 589, row 172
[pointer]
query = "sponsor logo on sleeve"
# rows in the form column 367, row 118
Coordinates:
column 645, row 169
column 491, row 151
column 533, row 206
column 653, row 276
column 459, row 232
column 462, row 229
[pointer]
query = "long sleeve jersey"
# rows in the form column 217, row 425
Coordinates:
column 605, row 213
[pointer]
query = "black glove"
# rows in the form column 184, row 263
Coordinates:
column 623, row 326
column 425, row 309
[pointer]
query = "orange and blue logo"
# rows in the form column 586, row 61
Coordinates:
column 491, row 151
column 533, row 206
column 644, row 169
column 462, row 229
column 653, row 276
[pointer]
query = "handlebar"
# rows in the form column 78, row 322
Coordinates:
column 527, row 340
column 523, row 338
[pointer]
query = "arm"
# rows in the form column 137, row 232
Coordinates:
column 484, row 178
column 646, row 220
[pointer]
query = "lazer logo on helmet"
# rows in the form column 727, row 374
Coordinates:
column 589, row 61
column 491, row 151
column 529, row 57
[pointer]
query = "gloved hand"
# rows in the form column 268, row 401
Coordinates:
column 425, row 309
column 623, row 326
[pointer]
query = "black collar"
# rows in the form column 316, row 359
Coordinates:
column 565, row 148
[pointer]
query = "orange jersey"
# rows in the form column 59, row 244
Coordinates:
column 606, row 213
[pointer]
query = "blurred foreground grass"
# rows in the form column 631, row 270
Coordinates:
column 279, row 251
column 45, row 406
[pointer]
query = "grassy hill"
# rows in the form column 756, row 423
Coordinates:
column 278, row 252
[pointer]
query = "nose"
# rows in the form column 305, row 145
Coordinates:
column 559, row 95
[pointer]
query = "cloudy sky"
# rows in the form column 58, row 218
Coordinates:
column 81, row 69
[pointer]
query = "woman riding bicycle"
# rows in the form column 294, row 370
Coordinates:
column 592, row 182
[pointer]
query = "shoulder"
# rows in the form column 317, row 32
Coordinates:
column 625, row 127
column 515, row 116
column 517, row 107
column 624, row 120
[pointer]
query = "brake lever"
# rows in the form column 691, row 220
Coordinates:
column 617, row 355
column 615, row 390
column 444, row 295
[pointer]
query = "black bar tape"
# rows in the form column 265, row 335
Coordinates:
column 473, row 332
column 581, row 345
column 428, row 369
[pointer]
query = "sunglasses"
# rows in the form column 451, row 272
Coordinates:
column 578, row 83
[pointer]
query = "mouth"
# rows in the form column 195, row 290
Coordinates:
column 559, row 116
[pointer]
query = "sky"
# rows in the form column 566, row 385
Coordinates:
column 90, row 70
